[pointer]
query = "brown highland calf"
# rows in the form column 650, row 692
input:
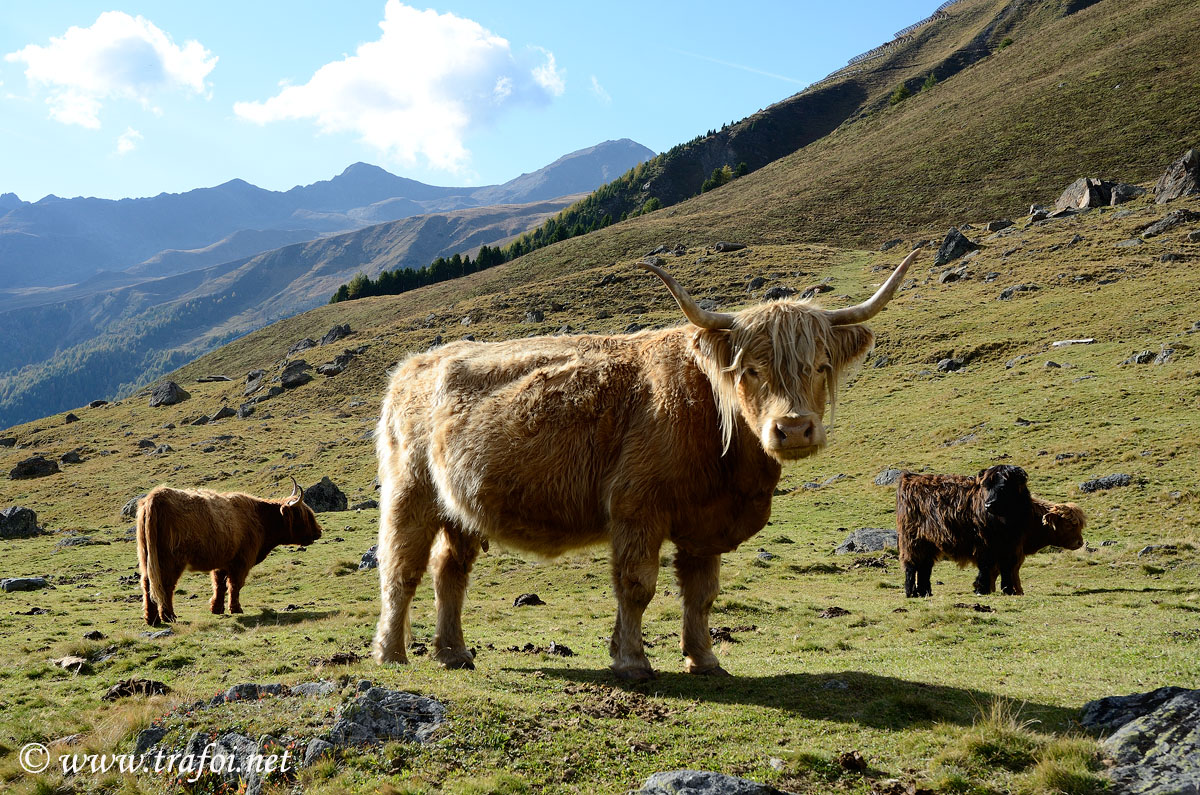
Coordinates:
column 990, row 520
column 225, row 534
column 552, row 443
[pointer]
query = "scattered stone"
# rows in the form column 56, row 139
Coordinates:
column 380, row 714
column 997, row 225
column 18, row 522
column 336, row 333
column 248, row 691
column 148, row 738
column 223, row 413
column 535, row 316
column 95, row 404
column 1171, row 256
column 369, row 561
column 129, row 511
column 950, row 365
column 1111, row 713
column 977, row 607
column 921, row 244
column 1155, row 549
column 765, row 555
column 1105, row 483
column 245, row 410
column 78, row 541
column 1092, row 192
column 609, row 280
column 1164, row 355
column 201, row 420
column 888, row 477
column 723, row 247
column 869, row 539
column 527, row 600
column 891, row 243
column 950, row 276
column 34, row 467
column 1194, row 236
column 168, row 394
column 953, row 246
column 315, row 751
column 324, row 496
column 295, row 374
column 364, row 505
column 1141, row 357
column 1156, row 754
column 700, row 782
column 8, row 441
column 778, row 293
column 991, row 276
column 1170, row 221
column 71, row 417
column 11, row 584
column 1132, row 242
column 136, row 687
column 833, row 612
column 159, row 635
column 1037, row 213
column 70, row 457
column 162, row 449
column 300, row 346
column 317, row 689
column 95, row 634
column 1066, row 343
column 212, row 379
column 1008, row 292
column 814, row 290
column 253, row 382
column 835, row 684
column 1182, row 178
column 76, row 665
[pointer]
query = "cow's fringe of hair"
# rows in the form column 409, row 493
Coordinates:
column 793, row 336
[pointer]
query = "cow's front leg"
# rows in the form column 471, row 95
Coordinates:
column 236, row 579
column 985, row 580
column 635, row 576
column 1010, row 578
column 217, row 605
column 453, row 556
column 699, row 580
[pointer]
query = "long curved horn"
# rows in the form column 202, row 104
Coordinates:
column 873, row 305
column 700, row 317
column 297, row 494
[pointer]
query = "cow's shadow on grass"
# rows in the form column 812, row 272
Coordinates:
column 270, row 618
column 881, row 702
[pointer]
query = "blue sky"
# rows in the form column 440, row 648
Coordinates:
column 117, row 99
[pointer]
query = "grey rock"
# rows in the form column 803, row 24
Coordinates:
column 528, row 600
column 1132, row 242
column 148, row 738
column 34, row 467
column 1039, row 214
column 71, row 417
column 700, row 782
column 1092, row 192
column 778, row 293
column 1171, row 256
column 1170, row 221
column 8, row 441
column 315, row 689
column 71, row 457
column 162, row 449
column 324, row 496
column 212, row 379
column 953, row 246
column 168, row 394
column 201, row 420
column 1008, row 292
column 364, row 505
column 95, row 404
column 950, row 365
column 237, row 758
column 869, row 539
column 1105, row 483
column 1141, row 357
column 245, row 410
column 835, row 684
column 363, row 685
column 948, row 277
column 336, row 333
column 765, row 555
column 315, row 750
column 1123, row 192
column 1164, row 356
column 301, row 345
column 1068, row 343
column 369, row 561
column 891, row 243
column 158, row 635
column 78, row 541
column 248, row 691
column 222, row 413
column 888, row 477
column 130, row 509
column 990, row 277
column 10, row 584
column 722, row 246
column 145, row 444
column 18, row 522
column 295, row 374
column 1158, row 753
column 380, row 714
column 1052, row 365
column 1194, row 236
column 997, row 225
column 1182, row 178
column 535, row 316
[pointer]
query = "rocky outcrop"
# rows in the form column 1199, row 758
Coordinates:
column 325, row 496
column 168, row 394
column 34, row 467
column 379, row 714
column 1182, row 178
column 953, row 246
column 1092, row 192
column 869, row 539
column 1157, row 752
column 18, row 522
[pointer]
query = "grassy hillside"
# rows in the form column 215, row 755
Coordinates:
column 917, row 675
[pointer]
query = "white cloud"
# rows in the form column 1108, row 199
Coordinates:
column 118, row 57
column 416, row 90
column 599, row 91
column 128, row 141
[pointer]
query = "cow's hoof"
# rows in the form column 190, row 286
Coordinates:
column 461, row 660
column 715, row 670
column 235, row 609
column 217, row 609
column 634, row 674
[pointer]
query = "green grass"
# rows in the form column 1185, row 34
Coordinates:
column 912, row 691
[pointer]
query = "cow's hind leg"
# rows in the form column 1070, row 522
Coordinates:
column 170, row 573
column 699, row 579
column 924, row 578
column 635, row 575
column 910, row 579
column 217, row 605
column 236, row 578
column 453, row 556
column 407, row 528
column 149, row 606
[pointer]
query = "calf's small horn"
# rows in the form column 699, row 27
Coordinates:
column 700, row 317
column 873, row 305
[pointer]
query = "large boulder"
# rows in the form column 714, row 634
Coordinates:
column 379, row 715
column 953, row 246
column 34, row 467
column 1159, row 753
column 18, row 522
column 130, row 509
column 869, row 539
column 11, row 584
column 702, row 782
column 1182, row 178
column 336, row 333
column 295, row 374
column 325, row 496
column 1111, row 713
column 1092, row 192
column 168, row 394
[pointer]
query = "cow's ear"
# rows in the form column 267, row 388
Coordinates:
column 849, row 344
column 288, row 518
column 715, row 345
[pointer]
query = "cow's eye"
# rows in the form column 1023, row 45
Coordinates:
column 750, row 371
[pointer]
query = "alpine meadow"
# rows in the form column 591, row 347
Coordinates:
column 588, row 522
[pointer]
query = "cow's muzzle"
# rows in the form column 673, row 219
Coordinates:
column 793, row 436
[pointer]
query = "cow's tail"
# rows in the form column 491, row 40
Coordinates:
column 147, row 536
